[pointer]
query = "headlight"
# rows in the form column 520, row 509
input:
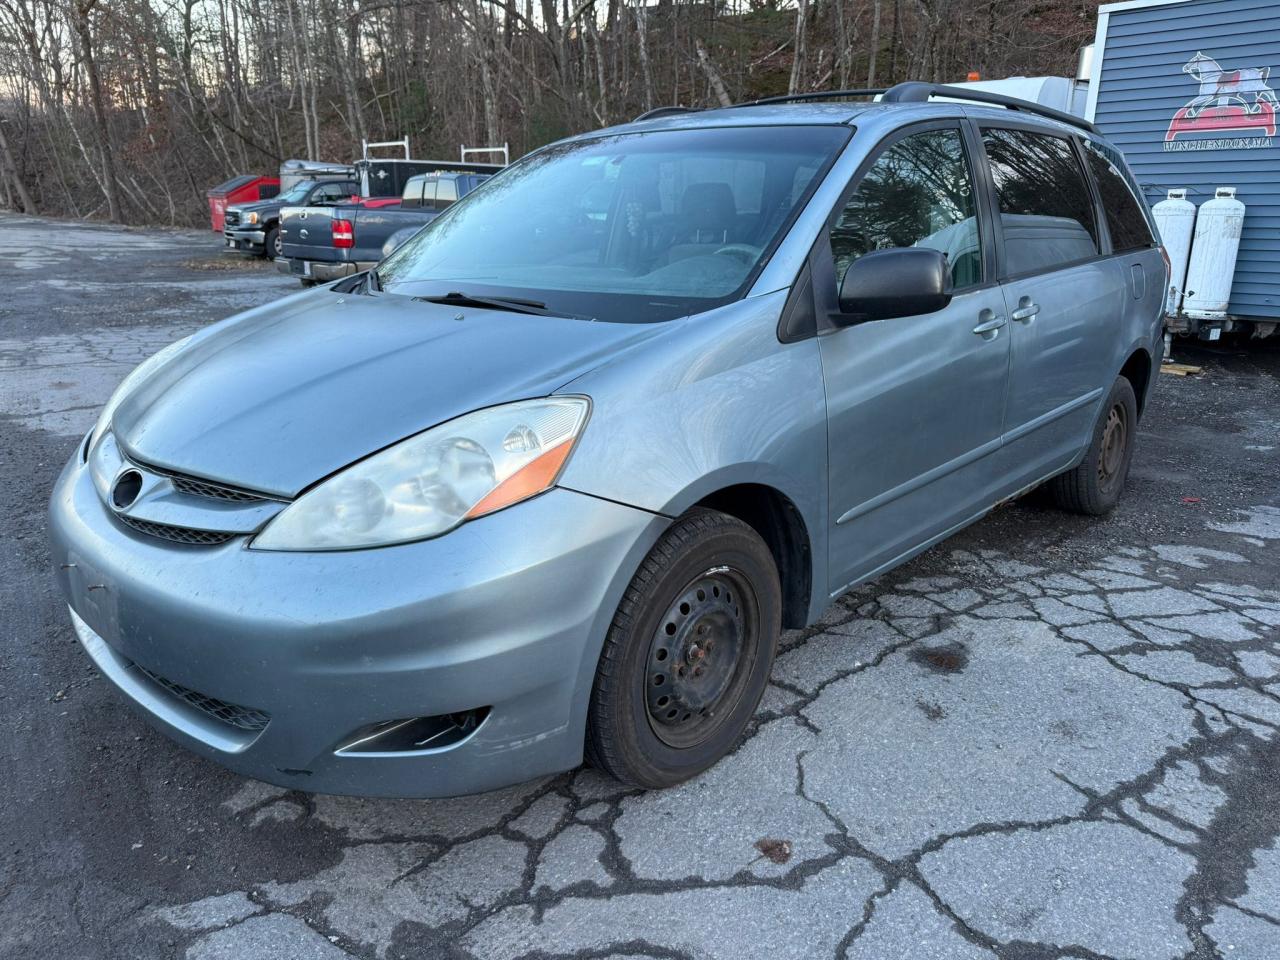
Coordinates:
column 140, row 373
column 434, row 481
column 252, row 218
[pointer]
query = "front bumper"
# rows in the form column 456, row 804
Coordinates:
column 508, row 612
column 244, row 238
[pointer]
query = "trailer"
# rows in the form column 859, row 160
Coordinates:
column 1185, row 89
column 1061, row 93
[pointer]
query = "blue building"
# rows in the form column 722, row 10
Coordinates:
column 1188, row 90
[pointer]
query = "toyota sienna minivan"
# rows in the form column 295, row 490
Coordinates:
column 548, row 482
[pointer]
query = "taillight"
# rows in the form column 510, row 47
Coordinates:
column 342, row 232
column 1168, row 265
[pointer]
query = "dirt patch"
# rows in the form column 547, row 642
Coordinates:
column 228, row 261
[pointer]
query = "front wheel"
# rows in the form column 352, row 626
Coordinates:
column 1094, row 486
column 273, row 246
column 688, row 654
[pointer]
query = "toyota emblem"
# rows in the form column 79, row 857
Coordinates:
column 127, row 487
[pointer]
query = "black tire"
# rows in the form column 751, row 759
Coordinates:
column 271, row 244
column 709, row 582
column 1094, row 487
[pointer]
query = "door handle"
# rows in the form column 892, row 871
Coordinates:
column 990, row 326
column 1026, row 310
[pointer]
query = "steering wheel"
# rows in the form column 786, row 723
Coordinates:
column 743, row 251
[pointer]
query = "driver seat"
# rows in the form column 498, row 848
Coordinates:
column 709, row 218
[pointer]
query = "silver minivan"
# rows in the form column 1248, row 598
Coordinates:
column 549, row 482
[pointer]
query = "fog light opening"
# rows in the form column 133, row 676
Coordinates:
column 415, row 734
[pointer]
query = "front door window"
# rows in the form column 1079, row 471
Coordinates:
column 919, row 193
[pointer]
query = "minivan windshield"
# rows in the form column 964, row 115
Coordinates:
column 636, row 227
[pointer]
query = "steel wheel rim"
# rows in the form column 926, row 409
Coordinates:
column 277, row 245
column 1115, row 435
column 697, row 665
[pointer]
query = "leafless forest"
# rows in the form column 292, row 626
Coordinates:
column 130, row 109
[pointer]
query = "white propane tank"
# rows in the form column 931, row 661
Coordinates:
column 1213, row 256
column 1175, row 217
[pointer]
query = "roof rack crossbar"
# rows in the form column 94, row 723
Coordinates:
column 915, row 91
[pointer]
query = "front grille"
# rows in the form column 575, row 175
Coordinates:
column 176, row 534
column 214, row 491
column 196, row 487
column 232, row 218
column 232, row 714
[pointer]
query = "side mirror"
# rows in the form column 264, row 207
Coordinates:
column 901, row 282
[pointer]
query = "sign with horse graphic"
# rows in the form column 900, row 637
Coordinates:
column 1236, row 105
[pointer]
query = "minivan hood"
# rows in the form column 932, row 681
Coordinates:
column 282, row 397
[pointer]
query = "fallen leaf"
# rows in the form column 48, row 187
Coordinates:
column 779, row 851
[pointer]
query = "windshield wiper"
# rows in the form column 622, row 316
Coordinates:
column 456, row 298
column 371, row 281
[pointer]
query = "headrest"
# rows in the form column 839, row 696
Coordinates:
column 709, row 206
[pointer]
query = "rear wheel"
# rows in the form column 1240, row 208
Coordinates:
column 1095, row 485
column 688, row 654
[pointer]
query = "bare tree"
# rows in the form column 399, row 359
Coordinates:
column 11, row 176
column 80, row 11
column 134, row 108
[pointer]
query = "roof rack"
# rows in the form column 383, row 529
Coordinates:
column 806, row 97
column 914, row 91
column 664, row 112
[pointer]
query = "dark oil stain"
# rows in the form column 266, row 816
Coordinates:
column 1064, row 729
column 951, row 658
column 931, row 710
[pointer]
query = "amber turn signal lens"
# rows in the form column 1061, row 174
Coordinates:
column 531, row 479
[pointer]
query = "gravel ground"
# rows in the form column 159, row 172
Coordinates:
column 1047, row 737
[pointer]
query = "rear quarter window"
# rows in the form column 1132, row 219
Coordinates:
column 1125, row 220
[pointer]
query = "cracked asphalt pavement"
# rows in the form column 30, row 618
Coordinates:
column 1047, row 737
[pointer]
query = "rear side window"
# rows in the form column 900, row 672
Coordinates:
column 1125, row 219
column 1046, row 211
column 439, row 194
column 412, row 196
column 919, row 193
